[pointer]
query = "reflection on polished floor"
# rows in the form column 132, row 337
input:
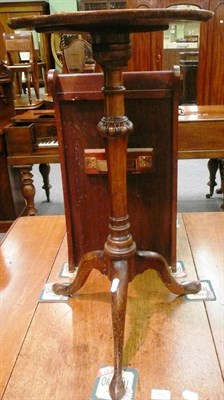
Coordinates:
column 55, row 348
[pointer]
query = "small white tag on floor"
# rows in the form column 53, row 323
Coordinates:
column 205, row 294
column 180, row 270
column 47, row 294
column 160, row 394
column 101, row 387
column 188, row 395
column 65, row 273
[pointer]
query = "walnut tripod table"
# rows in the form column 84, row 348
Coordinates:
column 119, row 259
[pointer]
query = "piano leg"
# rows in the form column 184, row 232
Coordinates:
column 213, row 165
column 45, row 172
column 221, row 169
column 28, row 188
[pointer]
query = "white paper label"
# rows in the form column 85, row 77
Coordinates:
column 188, row 395
column 158, row 394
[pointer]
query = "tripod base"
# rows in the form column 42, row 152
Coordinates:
column 121, row 272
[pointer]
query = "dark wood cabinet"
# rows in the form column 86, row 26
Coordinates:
column 147, row 47
column 148, row 53
column 211, row 58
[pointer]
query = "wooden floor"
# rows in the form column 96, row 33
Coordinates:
column 52, row 351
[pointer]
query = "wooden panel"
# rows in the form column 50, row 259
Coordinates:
column 211, row 74
column 193, row 145
column 146, row 46
column 148, row 97
column 206, row 237
column 217, row 69
column 168, row 339
column 200, row 132
column 19, row 139
column 24, row 267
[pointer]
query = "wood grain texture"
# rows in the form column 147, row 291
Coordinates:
column 200, row 132
column 168, row 339
column 206, row 237
column 211, row 72
column 116, row 20
column 26, row 254
column 151, row 197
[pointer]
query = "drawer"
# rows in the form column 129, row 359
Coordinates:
column 19, row 139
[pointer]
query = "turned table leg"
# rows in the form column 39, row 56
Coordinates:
column 28, row 188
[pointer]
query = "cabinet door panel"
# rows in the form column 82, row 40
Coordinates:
column 147, row 46
column 211, row 74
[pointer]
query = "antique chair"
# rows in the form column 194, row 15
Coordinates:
column 18, row 45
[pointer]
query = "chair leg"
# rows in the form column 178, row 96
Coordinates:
column 18, row 83
column 28, row 83
column 44, row 75
column 35, row 80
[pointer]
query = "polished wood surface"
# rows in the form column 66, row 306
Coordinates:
column 211, row 79
column 124, row 20
column 147, row 97
column 24, row 270
column 201, row 132
column 119, row 260
column 161, row 328
column 208, row 253
column 210, row 87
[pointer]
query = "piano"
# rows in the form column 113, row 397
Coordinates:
column 201, row 135
column 31, row 138
column 201, row 131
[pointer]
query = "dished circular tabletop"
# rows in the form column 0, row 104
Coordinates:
column 121, row 20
